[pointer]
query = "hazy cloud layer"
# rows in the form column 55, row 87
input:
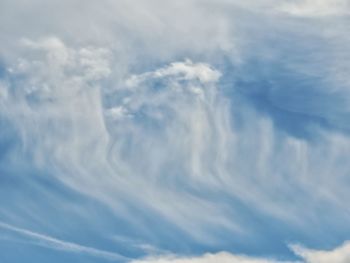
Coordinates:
column 183, row 127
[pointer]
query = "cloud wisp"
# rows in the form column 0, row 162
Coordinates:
column 169, row 132
column 340, row 254
column 58, row 244
column 226, row 130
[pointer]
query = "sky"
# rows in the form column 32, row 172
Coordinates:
column 189, row 131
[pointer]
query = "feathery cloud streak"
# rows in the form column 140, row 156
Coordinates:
column 219, row 133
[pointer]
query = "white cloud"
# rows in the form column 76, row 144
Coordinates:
column 221, row 257
column 340, row 254
column 108, row 105
column 58, row 244
column 145, row 130
column 186, row 70
column 117, row 113
column 190, row 71
column 317, row 8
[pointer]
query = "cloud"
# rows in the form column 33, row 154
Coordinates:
column 107, row 130
column 180, row 70
column 170, row 132
column 220, row 128
column 58, row 244
column 209, row 258
column 340, row 254
column 317, row 8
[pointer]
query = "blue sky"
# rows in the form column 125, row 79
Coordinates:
column 194, row 131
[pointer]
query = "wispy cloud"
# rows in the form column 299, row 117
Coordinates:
column 226, row 129
column 317, row 8
column 58, row 244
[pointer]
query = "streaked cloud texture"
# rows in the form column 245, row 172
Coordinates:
column 174, row 131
